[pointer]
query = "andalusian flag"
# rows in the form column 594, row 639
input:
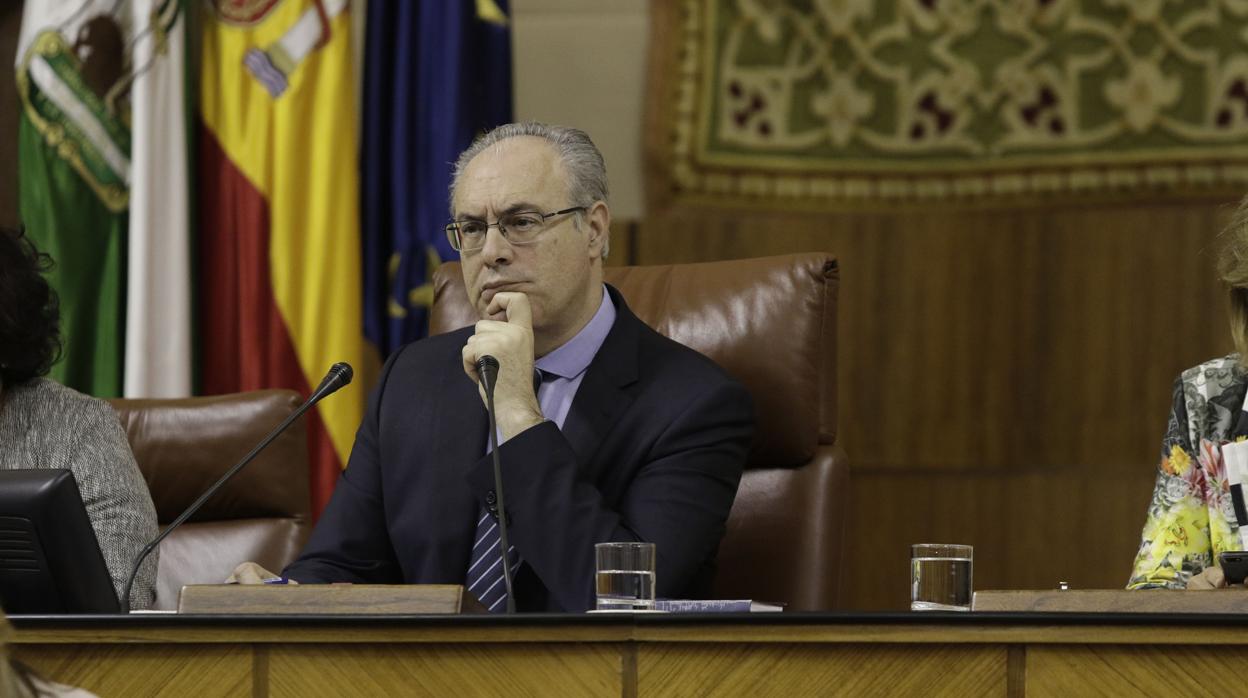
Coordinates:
column 159, row 351
column 102, row 162
column 279, row 231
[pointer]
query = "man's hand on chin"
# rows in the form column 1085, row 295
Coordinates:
column 509, row 341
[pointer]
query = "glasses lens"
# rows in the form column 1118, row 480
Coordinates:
column 522, row 227
column 470, row 234
column 453, row 237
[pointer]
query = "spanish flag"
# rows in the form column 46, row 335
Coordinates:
column 279, row 253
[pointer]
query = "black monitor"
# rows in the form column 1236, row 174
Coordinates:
column 50, row 560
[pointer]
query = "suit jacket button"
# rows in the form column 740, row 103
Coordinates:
column 490, row 498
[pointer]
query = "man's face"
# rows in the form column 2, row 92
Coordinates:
column 555, row 272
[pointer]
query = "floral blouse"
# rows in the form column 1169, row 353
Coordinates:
column 1191, row 518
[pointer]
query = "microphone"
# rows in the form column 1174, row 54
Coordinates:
column 339, row 375
column 487, row 369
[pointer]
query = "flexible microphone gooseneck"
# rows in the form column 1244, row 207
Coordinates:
column 339, row 375
column 487, row 368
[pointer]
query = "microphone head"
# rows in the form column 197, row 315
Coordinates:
column 487, row 362
column 487, row 371
column 342, row 371
column 339, row 375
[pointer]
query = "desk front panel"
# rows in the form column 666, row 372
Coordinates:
column 146, row 669
column 798, row 669
column 505, row 669
column 749, row 656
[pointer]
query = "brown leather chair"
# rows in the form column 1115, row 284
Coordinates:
column 183, row 445
column 771, row 323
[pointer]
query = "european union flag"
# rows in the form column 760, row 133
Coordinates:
column 436, row 74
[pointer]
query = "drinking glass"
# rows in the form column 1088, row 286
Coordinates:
column 625, row 576
column 940, row 577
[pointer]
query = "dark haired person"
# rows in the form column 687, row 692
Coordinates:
column 45, row 425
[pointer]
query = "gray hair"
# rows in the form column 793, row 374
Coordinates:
column 583, row 163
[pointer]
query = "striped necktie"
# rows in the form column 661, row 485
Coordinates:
column 485, row 574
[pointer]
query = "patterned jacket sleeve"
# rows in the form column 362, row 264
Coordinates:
column 1175, row 543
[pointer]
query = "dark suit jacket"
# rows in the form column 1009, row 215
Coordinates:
column 652, row 449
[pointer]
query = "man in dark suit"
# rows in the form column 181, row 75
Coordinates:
column 628, row 436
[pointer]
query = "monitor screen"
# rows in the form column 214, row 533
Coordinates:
column 50, row 561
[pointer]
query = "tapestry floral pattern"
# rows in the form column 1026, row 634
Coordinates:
column 914, row 99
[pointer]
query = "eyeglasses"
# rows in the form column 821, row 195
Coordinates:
column 519, row 227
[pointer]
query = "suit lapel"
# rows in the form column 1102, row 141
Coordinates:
column 458, row 442
column 603, row 395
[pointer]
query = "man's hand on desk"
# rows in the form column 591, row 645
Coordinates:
column 251, row 573
column 1210, row 578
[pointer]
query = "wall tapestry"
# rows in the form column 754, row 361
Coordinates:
column 835, row 101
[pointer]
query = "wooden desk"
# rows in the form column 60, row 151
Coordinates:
column 763, row 654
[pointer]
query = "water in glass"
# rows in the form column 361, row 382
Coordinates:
column 625, row 590
column 940, row 584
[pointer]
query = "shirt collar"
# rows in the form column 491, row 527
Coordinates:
column 574, row 356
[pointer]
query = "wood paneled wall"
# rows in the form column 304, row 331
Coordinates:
column 1005, row 374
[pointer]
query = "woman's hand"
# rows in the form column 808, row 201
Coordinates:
column 1210, row 578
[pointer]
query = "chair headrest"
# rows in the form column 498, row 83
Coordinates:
column 769, row 322
column 183, row 445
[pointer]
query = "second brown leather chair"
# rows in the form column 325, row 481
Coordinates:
column 771, row 323
column 183, row 446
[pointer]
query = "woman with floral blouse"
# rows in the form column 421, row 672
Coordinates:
column 1191, row 518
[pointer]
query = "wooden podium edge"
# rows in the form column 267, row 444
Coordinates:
column 328, row 599
column 1227, row 601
